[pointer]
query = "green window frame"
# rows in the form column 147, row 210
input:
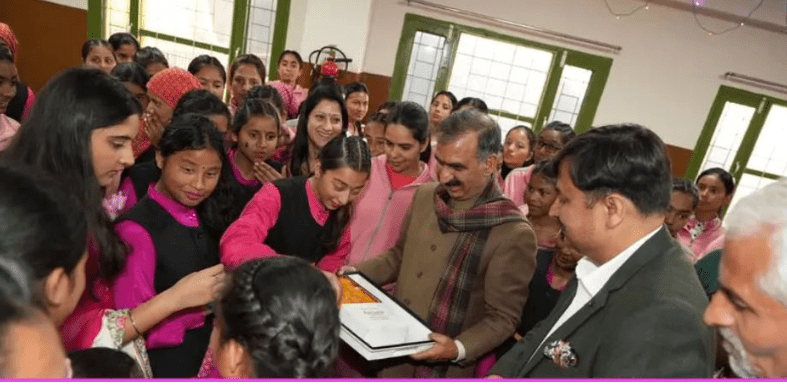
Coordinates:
column 241, row 12
column 762, row 105
column 599, row 65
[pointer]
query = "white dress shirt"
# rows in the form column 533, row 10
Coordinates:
column 592, row 278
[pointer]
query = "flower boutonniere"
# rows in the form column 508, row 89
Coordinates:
column 560, row 352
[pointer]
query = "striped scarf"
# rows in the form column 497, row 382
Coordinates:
column 452, row 297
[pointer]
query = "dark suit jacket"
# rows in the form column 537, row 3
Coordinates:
column 646, row 321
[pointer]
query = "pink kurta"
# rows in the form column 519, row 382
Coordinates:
column 253, row 183
column 515, row 185
column 707, row 240
column 134, row 285
column 8, row 128
column 244, row 240
column 293, row 96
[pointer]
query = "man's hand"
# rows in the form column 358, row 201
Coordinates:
column 493, row 376
column 444, row 350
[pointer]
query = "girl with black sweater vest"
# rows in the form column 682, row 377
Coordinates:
column 138, row 178
column 172, row 233
column 303, row 216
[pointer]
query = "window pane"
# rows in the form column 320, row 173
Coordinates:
column 727, row 136
column 425, row 59
column 769, row 155
column 748, row 184
column 205, row 21
column 506, row 76
column 117, row 16
column 570, row 94
column 262, row 19
column 507, row 124
column 180, row 55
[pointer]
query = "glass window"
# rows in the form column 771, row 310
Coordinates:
column 425, row 59
column 570, row 94
column 508, row 77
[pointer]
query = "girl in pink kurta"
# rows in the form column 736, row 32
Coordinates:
column 704, row 233
column 172, row 233
column 394, row 178
column 552, row 138
column 290, row 68
column 8, row 82
column 246, row 72
column 305, row 217
column 20, row 105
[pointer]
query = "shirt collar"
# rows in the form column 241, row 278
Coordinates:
column 593, row 277
column 185, row 215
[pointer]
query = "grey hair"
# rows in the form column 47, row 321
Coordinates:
column 765, row 208
column 472, row 121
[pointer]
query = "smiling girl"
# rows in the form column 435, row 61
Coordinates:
column 80, row 130
column 323, row 118
column 172, row 233
column 395, row 176
column 304, row 216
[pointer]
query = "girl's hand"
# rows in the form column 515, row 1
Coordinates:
column 265, row 173
column 199, row 288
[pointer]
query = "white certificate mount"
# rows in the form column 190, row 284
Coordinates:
column 381, row 329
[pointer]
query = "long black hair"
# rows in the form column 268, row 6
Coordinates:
column 196, row 132
column 283, row 312
column 43, row 226
column 56, row 139
column 340, row 152
column 300, row 146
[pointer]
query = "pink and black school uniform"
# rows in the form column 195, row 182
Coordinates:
column 167, row 242
column 284, row 218
column 136, row 182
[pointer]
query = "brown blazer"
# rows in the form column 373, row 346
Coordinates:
column 420, row 257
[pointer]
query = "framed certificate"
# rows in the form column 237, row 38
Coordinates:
column 375, row 324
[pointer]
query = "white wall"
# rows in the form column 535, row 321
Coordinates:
column 667, row 74
column 317, row 23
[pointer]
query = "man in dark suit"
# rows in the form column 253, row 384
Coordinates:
column 635, row 307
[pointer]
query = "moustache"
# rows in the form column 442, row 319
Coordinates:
column 452, row 183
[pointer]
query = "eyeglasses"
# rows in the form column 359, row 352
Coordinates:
column 548, row 145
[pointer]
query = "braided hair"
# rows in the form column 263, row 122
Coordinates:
column 283, row 312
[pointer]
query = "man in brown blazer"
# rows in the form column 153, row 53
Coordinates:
column 465, row 254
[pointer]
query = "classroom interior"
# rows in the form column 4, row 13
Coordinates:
column 707, row 75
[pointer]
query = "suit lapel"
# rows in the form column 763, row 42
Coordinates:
column 655, row 246
column 534, row 338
